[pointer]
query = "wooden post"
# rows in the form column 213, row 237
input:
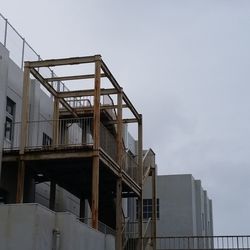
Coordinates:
column 82, row 209
column 24, row 133
column 52, row 196
column 140, row 181
column 96, row 141
column 20, row 182
column 25, row 108
column 154, row 204
column 55, row 122
column 119, row 180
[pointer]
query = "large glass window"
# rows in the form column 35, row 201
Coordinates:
column 147, row 208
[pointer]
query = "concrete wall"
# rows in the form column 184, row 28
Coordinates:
column 65, row 201
column 32, row 227
column 200, row 213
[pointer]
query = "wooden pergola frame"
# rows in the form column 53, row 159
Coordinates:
column 101, row 71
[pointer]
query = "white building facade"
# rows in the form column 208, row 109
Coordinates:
column 183, row 206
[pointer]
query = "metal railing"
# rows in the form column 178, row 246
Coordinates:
column 204, row 242
column 108, row 142
column 20, row 51
column 147, row 233
column 101, row 226
column 148, row 162
column 130, row 165
column 69, row 132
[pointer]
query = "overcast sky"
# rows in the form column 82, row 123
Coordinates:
column 185, row 66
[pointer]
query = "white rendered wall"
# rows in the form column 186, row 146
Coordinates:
column 3, row 86
column 182, row 203
column 31, row 226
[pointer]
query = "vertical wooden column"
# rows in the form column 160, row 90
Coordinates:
column 23, row 133
column 119, row 180
column 82, row 209
column 140, row 181
column 25, row 108
column 154, row 204
column 55, row 121
column 96, row 141
column 20, row 182
column 52, row 195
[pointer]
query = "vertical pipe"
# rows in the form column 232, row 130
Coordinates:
column 96, row 138
column 119, row 180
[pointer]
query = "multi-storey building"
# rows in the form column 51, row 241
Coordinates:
column 69, row 150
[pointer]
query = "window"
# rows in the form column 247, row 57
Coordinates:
column 9, row 121
column 8, row 133
column 47, row 141
column 147, row 208
column 10, row 106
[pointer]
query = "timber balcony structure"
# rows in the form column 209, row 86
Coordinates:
column 85, row 154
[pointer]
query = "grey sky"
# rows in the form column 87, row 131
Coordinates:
column 185, row 66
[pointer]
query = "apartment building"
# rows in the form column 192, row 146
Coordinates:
column 68, row 150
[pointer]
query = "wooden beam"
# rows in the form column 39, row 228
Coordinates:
column 46, row 155
column 52, row 91
column 109, row 75
column 140, row 181
column 119, row 143
column 55, row 136
column 87, row 92
column 82, row 209
column 131, row 107
column 25, row 109
column 154, row 208
column 39, row 77
column 71, row 78
column 64, row 61
column 20, row 182
column 52, row 195
column 96, row 139
column 117, row 86
column 129, row 120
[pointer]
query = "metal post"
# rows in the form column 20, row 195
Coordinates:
column 5, row 32
column 22, row 60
